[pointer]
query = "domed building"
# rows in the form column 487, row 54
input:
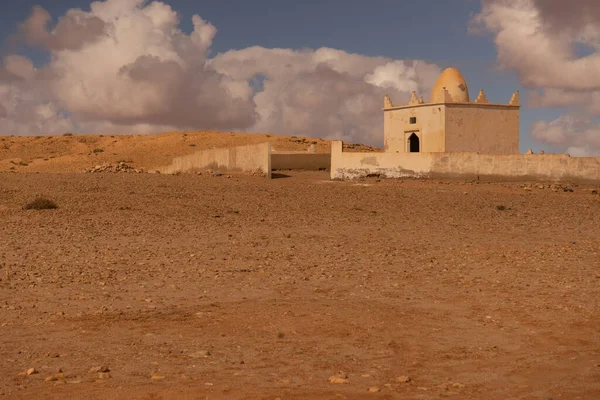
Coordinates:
column 450, row 122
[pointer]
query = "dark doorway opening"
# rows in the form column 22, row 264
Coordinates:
column 413, row 144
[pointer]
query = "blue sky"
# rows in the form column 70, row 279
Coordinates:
column 434, row 31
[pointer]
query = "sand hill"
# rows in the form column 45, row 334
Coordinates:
column 76, row 153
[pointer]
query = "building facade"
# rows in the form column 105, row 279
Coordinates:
column 450, row 122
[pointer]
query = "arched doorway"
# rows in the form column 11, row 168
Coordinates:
column 413, row 144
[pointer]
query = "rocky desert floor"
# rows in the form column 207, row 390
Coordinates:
column 147, row 286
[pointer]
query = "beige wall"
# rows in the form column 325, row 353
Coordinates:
column 429, row 127
column 460, row 127
column 482, row 128
column 301, row 160
column 252, row 158
column 548, row 167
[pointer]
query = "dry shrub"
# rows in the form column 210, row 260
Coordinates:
column 40, row 204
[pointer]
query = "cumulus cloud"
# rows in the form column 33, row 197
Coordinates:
column 542, row 40
column 72, row 31
column 326, row 93
column 124, row 65
column 582, row 134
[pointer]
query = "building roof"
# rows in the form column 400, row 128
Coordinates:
column 455, row 84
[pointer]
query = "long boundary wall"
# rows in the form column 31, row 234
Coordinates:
column 251, row 158
column 547, row 167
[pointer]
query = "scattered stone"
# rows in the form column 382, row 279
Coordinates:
column 31, row 371
column 374, row 389
column 339, row 378
column 95, row 370
column 56, row 377
column 121, row 166
column 157, row 378
column 104, row 375
column 200, row 354
column 403, row 379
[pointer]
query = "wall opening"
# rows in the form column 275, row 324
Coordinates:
column 413, row 144
column 413, row 120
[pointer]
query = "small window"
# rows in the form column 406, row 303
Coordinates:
column 413, row 120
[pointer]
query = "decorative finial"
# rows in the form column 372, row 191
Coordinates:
column 413, row 99
column 442, row 96
column 481, row 99
column 514, row 100
column 387, row 102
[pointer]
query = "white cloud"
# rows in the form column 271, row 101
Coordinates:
column 125, row 66
column 326, row 93
column 539, row 39
column 580, row 135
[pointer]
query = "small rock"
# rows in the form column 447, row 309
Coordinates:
column 104, row 375
column 403, row 379
column 31, row 371
column 157, row 377
column 56, row 377
column 374, row 389
column 339, row 378
column 95, row 370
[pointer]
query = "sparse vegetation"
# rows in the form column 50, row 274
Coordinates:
column 23, row 164
column 40, row 204
column 502, row 208
column 281, row 335
column 67, row 134
column 98, row 150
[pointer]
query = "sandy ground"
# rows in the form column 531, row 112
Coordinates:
column 242, row 288
column 80, row 152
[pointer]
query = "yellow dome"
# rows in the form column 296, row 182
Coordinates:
column 454, row 83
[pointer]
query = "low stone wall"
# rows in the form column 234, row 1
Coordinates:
column 251, row 158
column 301, row 161
column 546, row 167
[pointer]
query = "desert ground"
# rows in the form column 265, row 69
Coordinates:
column 196, row 286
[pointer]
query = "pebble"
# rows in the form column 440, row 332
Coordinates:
column 104, row 375
column 403, row 379
column 157, row 377
column 339, row 378
column 55, row 377
column 374, row 389
column 95, row 370
column 31, row 371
